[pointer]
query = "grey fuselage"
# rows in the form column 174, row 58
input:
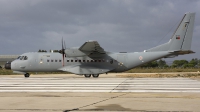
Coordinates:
column 118, row 62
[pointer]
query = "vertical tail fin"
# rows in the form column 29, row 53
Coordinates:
column 182, row 37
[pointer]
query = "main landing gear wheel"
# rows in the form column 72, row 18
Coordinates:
column 95, row 75
column 26, row 75
column 87, row 75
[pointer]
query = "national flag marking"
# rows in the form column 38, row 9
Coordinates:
column 140, row 58
column 178, row 37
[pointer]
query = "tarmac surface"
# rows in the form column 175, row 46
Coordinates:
column 56, row 93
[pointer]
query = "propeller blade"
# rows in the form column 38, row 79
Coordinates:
column 63, row 52
column 64, row 45
column 64, row 48
column 63, row 59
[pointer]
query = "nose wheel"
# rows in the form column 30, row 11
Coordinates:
column 26, row 75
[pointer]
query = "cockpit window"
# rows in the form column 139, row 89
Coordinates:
column 25, row 58
column 22, row 57
column 18, row 57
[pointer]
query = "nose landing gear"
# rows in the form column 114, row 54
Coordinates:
column 26, row 75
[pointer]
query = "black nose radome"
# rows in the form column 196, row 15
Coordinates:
column 8, row 65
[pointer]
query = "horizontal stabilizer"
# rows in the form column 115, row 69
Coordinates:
column 182, row 52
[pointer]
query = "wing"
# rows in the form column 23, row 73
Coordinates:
column 92, row 47
column 80, row 69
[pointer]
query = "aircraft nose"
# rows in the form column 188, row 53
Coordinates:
column 8, row 65
column 12, row 65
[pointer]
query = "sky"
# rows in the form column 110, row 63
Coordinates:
column 118, row 25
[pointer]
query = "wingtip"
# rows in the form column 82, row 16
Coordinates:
column 91, row 41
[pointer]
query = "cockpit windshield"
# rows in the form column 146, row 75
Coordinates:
column 18, row 57
column 22, row 58
column 25, row 58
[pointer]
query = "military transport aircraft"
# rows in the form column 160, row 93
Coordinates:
column 92, row 59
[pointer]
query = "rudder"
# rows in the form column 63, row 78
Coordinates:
column 182, row 37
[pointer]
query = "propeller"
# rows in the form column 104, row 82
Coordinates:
column 64, row 46
column 62, row 51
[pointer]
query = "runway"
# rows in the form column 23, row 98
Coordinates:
column 58, row 93
column 108, row 85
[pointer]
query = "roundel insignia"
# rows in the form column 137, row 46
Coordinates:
column 140, row 57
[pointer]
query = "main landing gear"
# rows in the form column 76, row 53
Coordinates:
column 95, row 75
column 26, row 75
column 89, row 75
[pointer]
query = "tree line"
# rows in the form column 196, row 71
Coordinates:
column 176, row 64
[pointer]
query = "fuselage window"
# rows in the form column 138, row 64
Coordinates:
column 95, row 60
column 88, row 60
column 79, row 60
column 51, row 60
column 99, row 60
column 47, row 60
column 75, row 60
column 55, row 60
column 59, row 60
column 67, row 60
column 83, row 60
column 91, row 61
column 71, row 60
